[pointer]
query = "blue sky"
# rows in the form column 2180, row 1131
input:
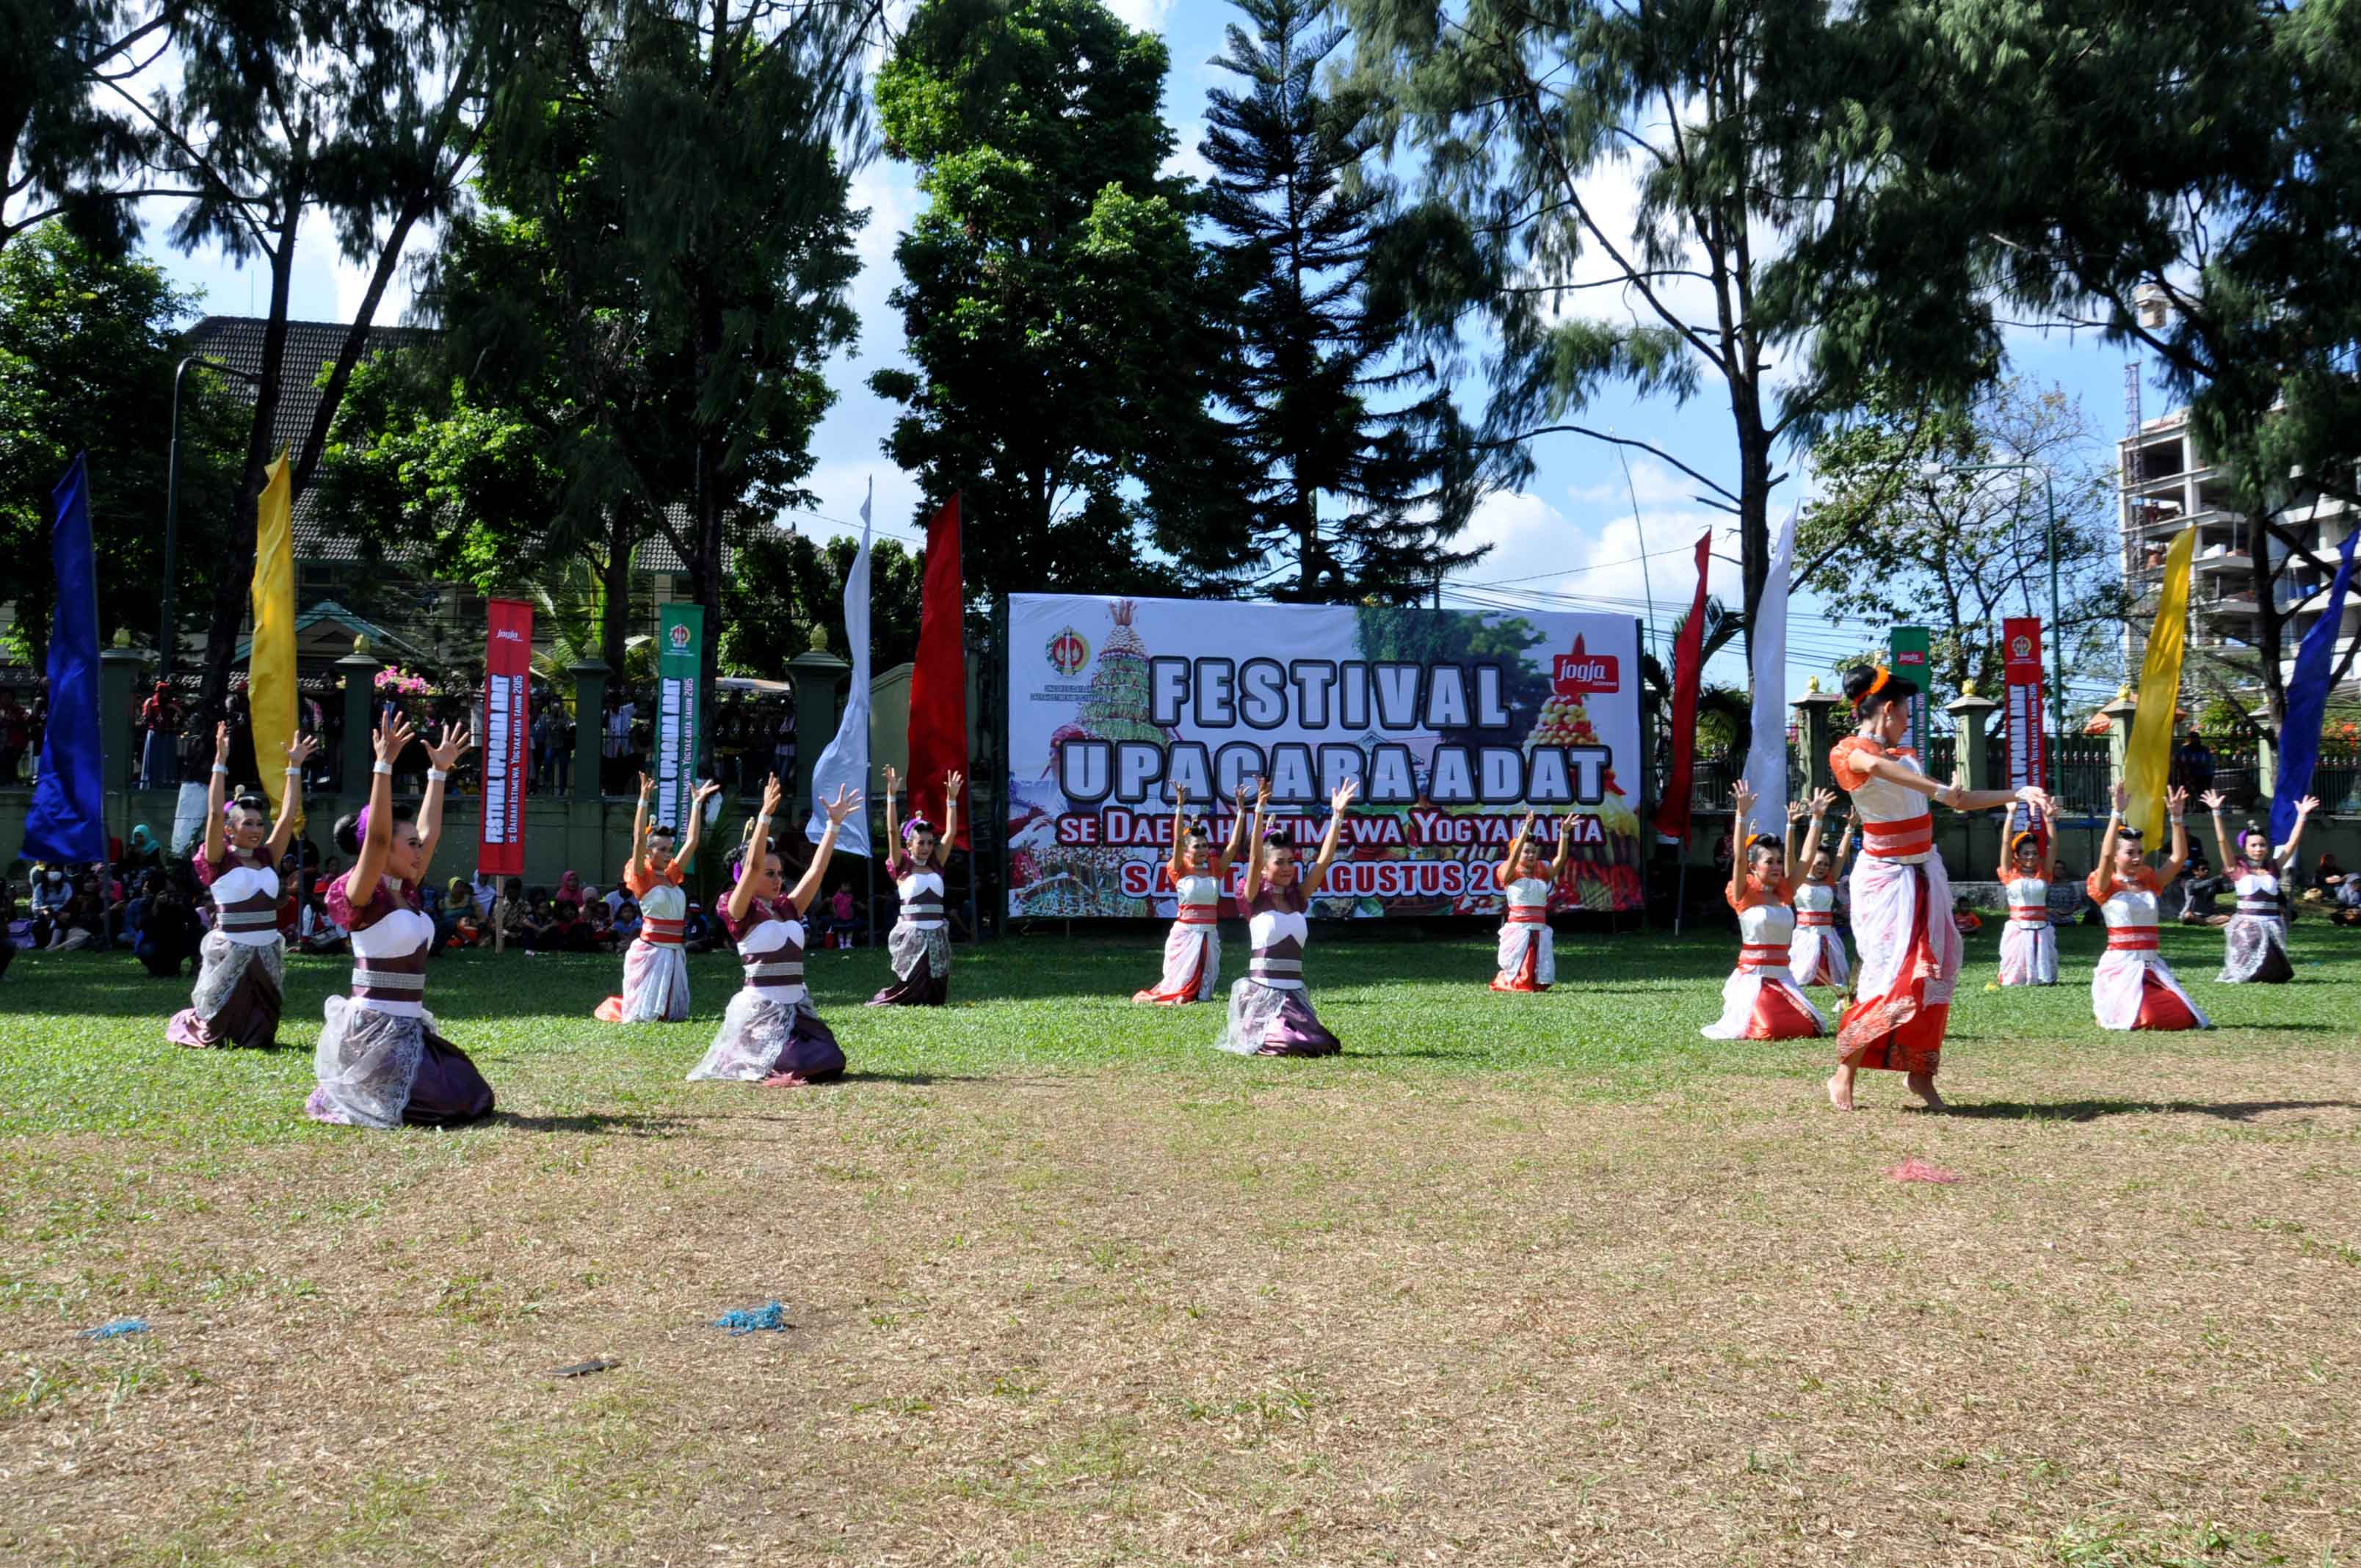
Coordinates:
column 1570, row 531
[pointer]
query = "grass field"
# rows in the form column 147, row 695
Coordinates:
column 1516, row 1280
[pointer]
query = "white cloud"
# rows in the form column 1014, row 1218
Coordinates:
column 1605, row 561
column 1186, row 158
column 1143, row 15
column 1651, row 484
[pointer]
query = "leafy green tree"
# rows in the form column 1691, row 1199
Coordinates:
column 1323, row 403
column 360, row 113
column 1536, row 125
column 68, row 150
column 2180, row 179
column 1053, row 300
column 661, row 275
column 1889, row 540
column 88, row 345
column 782, row 584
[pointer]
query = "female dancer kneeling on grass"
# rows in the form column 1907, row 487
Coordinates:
column 2256, row 937
column 1527, row 957
column 2133, row 988
column 1192, row 948
column 920, row 943
column 770, row 1034
column 242, row 962
column 380, row 1061
column 1760, row 1000
column 1270, row 1015
column 1817, row 954
column 2028, row 943
column 1901, row 925
column 655, row 973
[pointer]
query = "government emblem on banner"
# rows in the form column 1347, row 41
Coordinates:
column 1069, row 652
column 680, row 636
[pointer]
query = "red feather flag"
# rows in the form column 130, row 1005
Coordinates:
column 1688, row 659
column 938, row 733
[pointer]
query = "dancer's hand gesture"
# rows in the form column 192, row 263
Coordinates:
column 2306, row 806
column 846, row 803
column 1343, row 795
column 2176, row 802
column 2049, row 811
column 1525, row 828
column 891, row 783
column 2122, row 797
column 455, row 741
column 1741, row 797
column 771, row 794
column 221, row 742
column 952, row 782
column 1794, row 811
column 1262, row 794
column 1823, row 802
column 2214, row 801
column 1242, row 797
column 301, row 750
column 647, row 789
column 392, row 737
column 1179, row 797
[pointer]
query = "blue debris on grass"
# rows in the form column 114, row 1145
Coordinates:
column 116, row 1329
column 748, row 1320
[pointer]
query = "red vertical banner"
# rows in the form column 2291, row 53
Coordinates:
column 2028, row 759
column 1688, row 667
column 938, row 733
column 508, row 670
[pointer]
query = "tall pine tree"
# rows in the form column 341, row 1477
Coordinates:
column 1325, row 402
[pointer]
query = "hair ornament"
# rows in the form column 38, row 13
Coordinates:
column 1277, row 837
column 360, row 827
column 913, row 827
column 1877, row 686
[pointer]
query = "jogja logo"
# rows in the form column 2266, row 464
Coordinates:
column 680, row 636
column 507, row 634
column 1580, row 673
column 1068, row 650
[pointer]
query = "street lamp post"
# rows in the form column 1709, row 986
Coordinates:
column 2057, row 649
column 165, row 640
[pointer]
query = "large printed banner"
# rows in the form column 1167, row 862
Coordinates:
column 1456, row 722
column 2020, row 641
column 1908, row 648
column 508, row 668
column 680, row 631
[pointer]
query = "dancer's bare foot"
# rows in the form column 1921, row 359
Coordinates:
column 1840, row 1089
column 786, row 1081
column 1922, row 1084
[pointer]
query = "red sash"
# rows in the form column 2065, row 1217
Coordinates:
column 2131, row 939
column 2029, row 914
column 1815, row 917
column 1761, row 955
column 1200, row 914
column 662, row 933
column 1890, row 840
column 1527, row 914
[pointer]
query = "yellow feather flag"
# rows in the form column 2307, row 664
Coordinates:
column 2148, row 755
column 270, row 657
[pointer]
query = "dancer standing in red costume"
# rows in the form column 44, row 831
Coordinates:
column 2028, row 943
column 1760, row 1000
column 2134, row 988
column 1526, row 958
column 1901, row 925
column 1192, row 948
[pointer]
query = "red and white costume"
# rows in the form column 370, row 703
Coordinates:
column 1760, row 1000
column 1909, row 949
column 2028, row 943
column 1816, row 956
column 1192, row 948
column 2133, row 987
column 1526, row 958
column 655, row 969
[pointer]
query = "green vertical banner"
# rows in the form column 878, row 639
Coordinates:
column 680, row 651
column 1908, row 648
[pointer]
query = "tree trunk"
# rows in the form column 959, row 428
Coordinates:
column 1753, row 502
column 615, row 591
column 2270, row 630
column 234, row 568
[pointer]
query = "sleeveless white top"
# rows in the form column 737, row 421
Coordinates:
column 768, row 937
column 919, row 883
column 395, row 936
column 1529, row 892
column 1766, row 924
column 1815, row 897
column 1882, row 800
column 1270, row 927
column 1198, row 891
column 2129, row 905
column 665, row 901
column 2257, row 886
column 237, row 884
column 2027, row 892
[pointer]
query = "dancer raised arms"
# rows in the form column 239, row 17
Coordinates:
column 2029, row 863
column 381, row 1060
column 1270, row 1013
column 2134, row 988
column 1526, row 959
column 655, row 971
column 1760, row 1000
column 2255, row 941
column 1193, row 948
column 242, row 962
column 1816, row 955
column 771, row 1033
column 920, row 942
column 1909, row 949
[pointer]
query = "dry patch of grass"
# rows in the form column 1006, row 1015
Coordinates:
column 1123, row 1318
